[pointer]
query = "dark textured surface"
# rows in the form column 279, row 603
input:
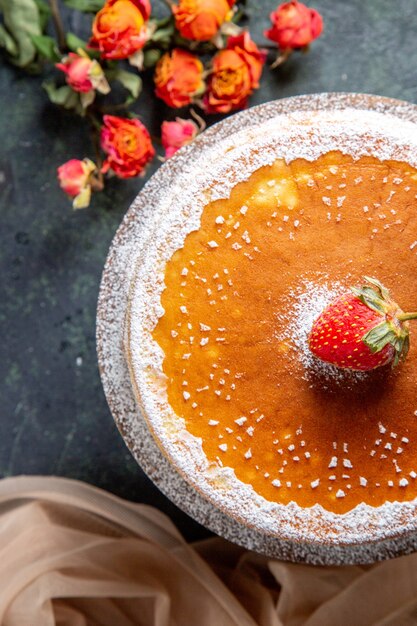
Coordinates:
column 53, row 416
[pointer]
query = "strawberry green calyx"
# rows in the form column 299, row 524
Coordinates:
column 393, row 329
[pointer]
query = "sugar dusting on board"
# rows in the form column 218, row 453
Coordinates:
column 288, row 532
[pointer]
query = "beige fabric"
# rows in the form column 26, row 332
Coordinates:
column 72, row 555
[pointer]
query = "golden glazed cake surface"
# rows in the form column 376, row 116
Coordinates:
column 237, row 302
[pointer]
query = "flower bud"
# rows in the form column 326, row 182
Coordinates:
column 176, row 134
column 294, row 25
column 75, row 179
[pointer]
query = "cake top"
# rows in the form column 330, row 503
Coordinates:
column 299, row 142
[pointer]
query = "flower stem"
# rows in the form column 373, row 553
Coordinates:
column 95, row 136
column 114, row 107
column 407, row 316
column 282, row 57
column 59, row 27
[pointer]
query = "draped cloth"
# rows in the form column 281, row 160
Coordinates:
column 73, row 555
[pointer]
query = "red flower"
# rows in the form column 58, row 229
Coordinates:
column 200, row 20
column 177, row 134
column 75, row 179
column 294, row 25
column 127, row 144
column 77, row 69
column 235, row 75
column 120, row 28
column 178, row 78
column 84, row 76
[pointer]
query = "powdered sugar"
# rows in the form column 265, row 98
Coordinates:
column 305, row 303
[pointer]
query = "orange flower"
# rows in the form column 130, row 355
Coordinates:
column 235, row 75
column 179, row 78
column 201, row 19
column 120, row 28
column 176, row 134
column 294, row 25
column 75, row 179
column 127, row 144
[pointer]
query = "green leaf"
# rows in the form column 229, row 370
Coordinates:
column 22, row 20
column 378, row 337
column 63, row 96
column 131, row 82
column 371, row 298
column 74, row 42
column 87, row 6
column 47, row 47
column 164, row 21
column 163, row 35
column 404, row 347
column 44, row 13
column 379, row 286
column 7, row 42
column 151, row 57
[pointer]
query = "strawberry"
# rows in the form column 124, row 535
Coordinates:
column 362, row 329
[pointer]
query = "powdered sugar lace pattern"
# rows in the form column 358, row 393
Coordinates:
column 218, row 161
